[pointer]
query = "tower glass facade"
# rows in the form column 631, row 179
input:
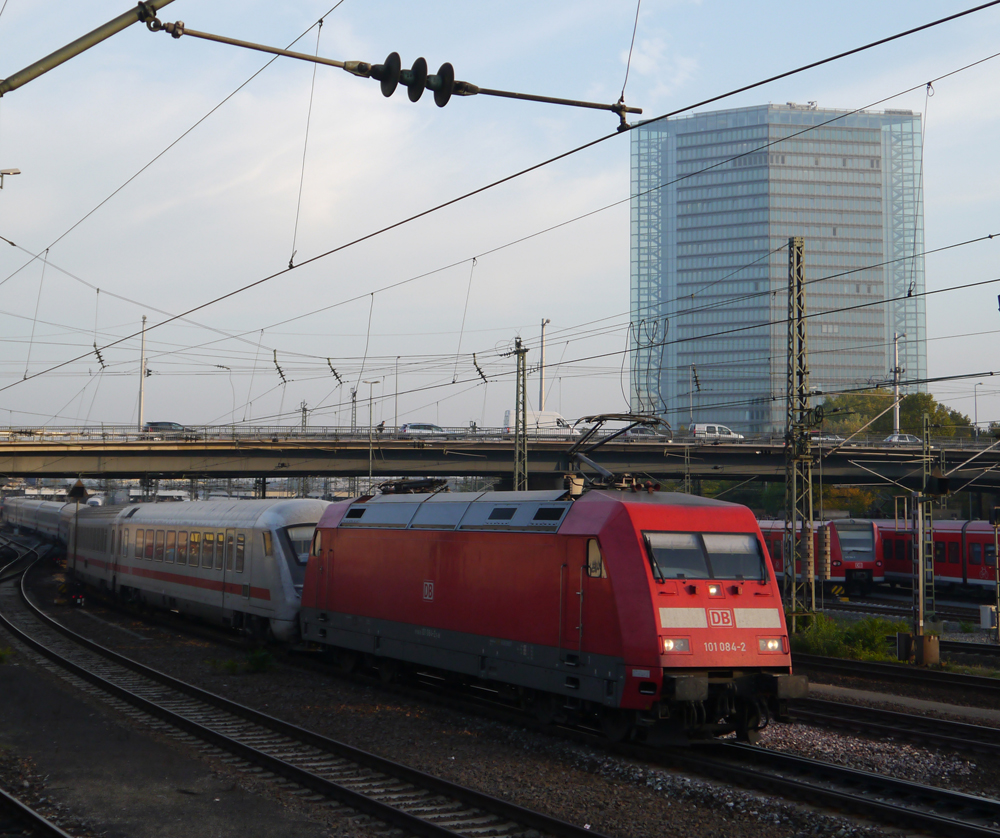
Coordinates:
column 715, row 198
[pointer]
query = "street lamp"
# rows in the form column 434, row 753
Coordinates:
column 371, row 454
column 975, row 405
column 5, row 172
column 541, row 369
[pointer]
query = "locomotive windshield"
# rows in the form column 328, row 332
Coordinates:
column 857, row 539
column 711, row 555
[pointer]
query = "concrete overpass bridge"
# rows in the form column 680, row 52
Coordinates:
column 284, row 452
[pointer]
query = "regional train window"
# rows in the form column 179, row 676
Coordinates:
column 952, row 552
column 171, row 551
column 678, row 555
column 195, row 549
column 991, row 555
column 975, row 554
column 208, row 550
column 301, row 538
column 182, row 548
column 240, row 552
column 939, row 551
column 159, row 545
column 900, row 550
column 734, row 555
column 138, row 543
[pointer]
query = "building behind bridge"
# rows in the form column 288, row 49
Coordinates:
column 715, row 198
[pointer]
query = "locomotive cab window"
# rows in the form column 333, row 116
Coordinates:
column 595, row 561
column 734, row 556
column 678, row 555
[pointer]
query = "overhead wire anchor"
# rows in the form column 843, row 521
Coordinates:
column 278, row 368
column 336, row 375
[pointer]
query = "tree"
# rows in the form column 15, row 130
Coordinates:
column 848, row 413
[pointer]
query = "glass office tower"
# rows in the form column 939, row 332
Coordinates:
column 715, row 198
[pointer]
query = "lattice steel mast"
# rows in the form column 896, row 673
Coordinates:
column 800, row 580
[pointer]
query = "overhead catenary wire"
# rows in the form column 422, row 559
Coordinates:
column 538, row 166
column 305, row 147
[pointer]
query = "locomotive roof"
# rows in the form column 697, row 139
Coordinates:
column 532, row 511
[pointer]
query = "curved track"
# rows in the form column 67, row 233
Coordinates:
column 424, row 805
column 410, row 800
column 18, row 819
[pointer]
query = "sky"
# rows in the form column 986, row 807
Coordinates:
column 162, row 175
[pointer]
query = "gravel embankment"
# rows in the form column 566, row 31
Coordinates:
column 579, row 783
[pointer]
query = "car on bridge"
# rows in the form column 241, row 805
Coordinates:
column 167, row 430
column 903, row 439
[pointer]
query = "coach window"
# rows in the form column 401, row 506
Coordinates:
column 139, row 539
column 208, row 550
column 149, row 545
column 975, row 554
column 182, row 548
column 991, row 555
column 268, row 549
column 230, row 552
column 953, row 552
column 887, row 548
column 124, row 543
column 900, row 550
column 240, row 552
column 171, row 553
column 595, row 561
column 159, row 546
column 938, row 551
column 219, row 552
column 194, row 551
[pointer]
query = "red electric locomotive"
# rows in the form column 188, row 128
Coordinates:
column 643, row 611
column 856, row 559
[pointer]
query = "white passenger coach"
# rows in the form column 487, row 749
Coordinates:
column 240, row 563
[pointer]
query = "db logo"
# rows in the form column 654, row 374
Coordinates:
column 720, row 618
column 429, row 591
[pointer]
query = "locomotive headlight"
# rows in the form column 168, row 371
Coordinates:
column 769, row 644
column 714, row 589
column 675, row 644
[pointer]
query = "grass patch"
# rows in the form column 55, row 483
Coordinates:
column 230, row 666
column 259, row 660
column 864, row 640
column 966, row 628
column 6, row 653
column 966, row 669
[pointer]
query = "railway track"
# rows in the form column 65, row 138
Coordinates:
column 902, row 610
column 16, row 818
column 899, row 673
column 268, row 746
column 926, row 730
column 321, row 768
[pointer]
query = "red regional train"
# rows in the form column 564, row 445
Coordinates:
column 638, row 611
column 964, row 553
column 857, row 559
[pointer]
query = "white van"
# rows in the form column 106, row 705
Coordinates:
column 542, row 423
column 700, row 430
